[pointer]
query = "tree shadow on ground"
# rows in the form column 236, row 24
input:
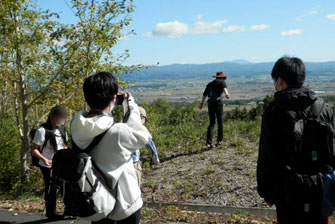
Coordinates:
column 189, row 153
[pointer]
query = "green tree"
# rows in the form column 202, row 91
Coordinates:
column 26, row 60
column 43, row 62
column 98, row 29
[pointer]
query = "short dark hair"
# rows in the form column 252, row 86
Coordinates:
column 290, row 69
column 100, row 89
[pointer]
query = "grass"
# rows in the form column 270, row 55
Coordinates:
column 181, row 130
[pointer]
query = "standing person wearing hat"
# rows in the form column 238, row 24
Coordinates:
column 214, row 91
column 150, row 146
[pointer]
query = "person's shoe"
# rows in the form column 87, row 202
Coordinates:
column 219, row 143
column 210, row 146
column 55, row 216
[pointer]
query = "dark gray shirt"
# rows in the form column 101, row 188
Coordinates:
column 217, row 86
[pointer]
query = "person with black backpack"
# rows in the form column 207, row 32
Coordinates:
column 214, row 91
column 47, row 140
column 110, row 146
column 296, row 154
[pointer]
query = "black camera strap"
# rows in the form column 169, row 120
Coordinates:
column 127, row 114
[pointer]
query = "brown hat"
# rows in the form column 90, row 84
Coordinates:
column 220, row 75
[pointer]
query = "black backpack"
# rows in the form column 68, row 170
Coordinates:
column 309, row 154
column 48, row 135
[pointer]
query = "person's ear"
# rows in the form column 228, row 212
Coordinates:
column 281, row 84
column 278, row 84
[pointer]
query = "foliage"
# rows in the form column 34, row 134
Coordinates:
column 253, row 114
column 9, row 165
column 181, row 128
column 44, row 62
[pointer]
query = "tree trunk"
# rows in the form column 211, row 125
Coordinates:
column 24, row 129
column 25, row 138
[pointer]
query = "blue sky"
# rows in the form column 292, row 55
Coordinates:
column 209, row 31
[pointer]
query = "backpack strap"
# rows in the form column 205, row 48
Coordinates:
column 95, row 141
column 63, row 131
column 46, row 139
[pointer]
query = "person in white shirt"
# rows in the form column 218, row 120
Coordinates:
column 113, row 154
column 48, row 139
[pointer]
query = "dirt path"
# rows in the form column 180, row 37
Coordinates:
column 220, row 176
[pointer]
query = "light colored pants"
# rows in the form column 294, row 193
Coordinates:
column 138, row 169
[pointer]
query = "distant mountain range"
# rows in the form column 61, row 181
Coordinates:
column 236, row 68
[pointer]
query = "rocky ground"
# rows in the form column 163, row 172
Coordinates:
column 221, row 176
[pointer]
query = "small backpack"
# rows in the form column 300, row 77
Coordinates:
column 308, row 157
column 87, row 192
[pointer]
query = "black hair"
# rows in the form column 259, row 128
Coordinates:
column 292, row 70
column 100, row 89
column 57, row 111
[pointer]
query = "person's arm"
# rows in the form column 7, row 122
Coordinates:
column 138, row 134
column 202, row 102
column 227, row 93
column 134, row 119
column 36, row 152
column 38, row 141
column 153, row 152
column 204, row 96
column 129, row 138
column 265, row 166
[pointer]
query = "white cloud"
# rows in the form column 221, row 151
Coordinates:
column 331, row 16
column 260, row 27
column 201, row 27
column 178, row 29
column 170, row 29
column 234, row 28
column 307, row 14
column 291, row 32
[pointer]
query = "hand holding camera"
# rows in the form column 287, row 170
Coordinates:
column 121, row 96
